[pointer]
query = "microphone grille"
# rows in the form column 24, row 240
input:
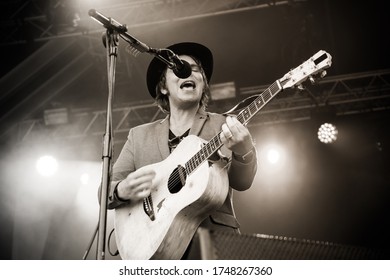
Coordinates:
column 184, row 72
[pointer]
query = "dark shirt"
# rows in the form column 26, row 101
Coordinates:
column 174, row 140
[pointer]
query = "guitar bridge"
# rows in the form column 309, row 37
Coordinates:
column 148, row 207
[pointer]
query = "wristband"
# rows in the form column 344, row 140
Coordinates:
column 116, row 196
column 246, row 157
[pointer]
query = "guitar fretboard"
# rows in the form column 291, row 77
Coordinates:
column 244, row 116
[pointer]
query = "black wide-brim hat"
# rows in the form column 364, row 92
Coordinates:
column 157, row 67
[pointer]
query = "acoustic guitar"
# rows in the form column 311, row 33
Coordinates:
column 189, row 186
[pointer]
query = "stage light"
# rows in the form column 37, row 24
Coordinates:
column 47, row 166
column 273, row 155
column 327, row 133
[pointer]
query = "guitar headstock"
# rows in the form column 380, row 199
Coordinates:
column 313, row 66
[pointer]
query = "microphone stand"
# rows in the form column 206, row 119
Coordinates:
column 113, row 30
column 111, row 44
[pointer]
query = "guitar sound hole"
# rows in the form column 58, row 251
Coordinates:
column 177, row 179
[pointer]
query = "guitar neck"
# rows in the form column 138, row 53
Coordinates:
column 244, row 117
column 255, row 106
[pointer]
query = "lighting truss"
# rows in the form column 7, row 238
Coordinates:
column 345, row 94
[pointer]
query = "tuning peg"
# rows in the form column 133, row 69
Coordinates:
column 300, row 87
column 312, row 80
column 323, row 74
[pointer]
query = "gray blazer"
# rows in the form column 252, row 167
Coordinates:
column 147, row 144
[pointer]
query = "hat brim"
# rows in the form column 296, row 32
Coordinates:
column 157, row 67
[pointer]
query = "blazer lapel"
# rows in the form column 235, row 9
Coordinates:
column 162, row 134
column 199, row 121
column 162, row 131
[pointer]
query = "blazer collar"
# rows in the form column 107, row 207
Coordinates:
column 162, row 137
column 200, row 118
column 163, row 131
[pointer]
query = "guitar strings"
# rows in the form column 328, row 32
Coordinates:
column 268, row 93
column 197, row 159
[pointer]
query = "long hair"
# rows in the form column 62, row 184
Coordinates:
column 162, row 100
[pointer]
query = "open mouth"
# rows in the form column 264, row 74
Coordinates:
column 188, row 85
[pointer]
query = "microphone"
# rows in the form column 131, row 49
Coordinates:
column 181, row 68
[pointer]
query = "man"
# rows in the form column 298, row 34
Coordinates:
column 184, row 101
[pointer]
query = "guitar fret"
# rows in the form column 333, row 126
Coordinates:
column 275, row 88
column 240, row 118
column 187, row 166
column 199, row 155
column 196, row 159
column 246, row 115
column 253, row 109
column 258, row 102
column 262, row 98
column 202, row 155
column 209, row 150
column 192, row 165
column 218, row 142
column 267, row 94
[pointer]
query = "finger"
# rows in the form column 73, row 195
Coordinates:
column 233, row 124
column 141, row 175
column 238, row 124
column 143, row 172
column 226, row 131
column 239, row 130
column 142, row 194
column 141, row 191
column 129, row 190
column 222, row 136
column 135, row 184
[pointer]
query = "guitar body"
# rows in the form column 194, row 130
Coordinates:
column 176, row 215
